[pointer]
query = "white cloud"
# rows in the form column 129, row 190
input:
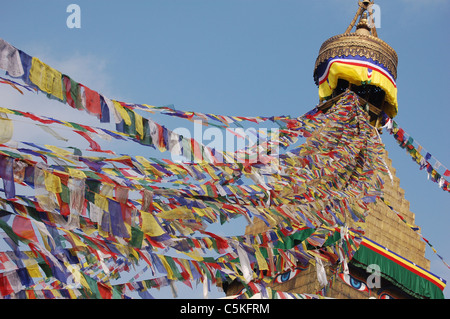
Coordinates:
column 86, row 69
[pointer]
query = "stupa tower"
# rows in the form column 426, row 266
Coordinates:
column 360, row 62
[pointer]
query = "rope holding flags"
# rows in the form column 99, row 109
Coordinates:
column 416, row 151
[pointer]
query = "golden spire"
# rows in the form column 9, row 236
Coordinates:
column 363, row 8
column 356, row 57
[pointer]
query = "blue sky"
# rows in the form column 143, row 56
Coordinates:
column 248, row 58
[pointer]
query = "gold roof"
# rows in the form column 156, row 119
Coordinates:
column 363, row 42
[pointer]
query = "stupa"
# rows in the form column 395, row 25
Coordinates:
column 390, row 262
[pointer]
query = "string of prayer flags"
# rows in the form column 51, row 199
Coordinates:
column 416, row 229
column 416, row 151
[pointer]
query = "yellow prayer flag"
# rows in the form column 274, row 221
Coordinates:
column 210, row 171
column 194, row 255
column 74, row 237
column 260, row 259
column 52, row 182
column 123, row 113
column 6, row 128
column 110, row 171
column 101, row 202
column 177, row 213
column 46, row 78
column 58, row 150
column 76, row 173
column 255, row 187
column 199, row 211
column 5, row 110
column 72, row 294
column 139, row 124
column 102, row 232
column 143, row 161
column 167, row 267
column 187, row 267
column 134, row 253
column 150, row 225
column 56, row 293
column 34, row 271
column 157, row 206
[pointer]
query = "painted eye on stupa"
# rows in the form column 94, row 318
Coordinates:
column 354, row 283
column 286, row 276
column 385, row 295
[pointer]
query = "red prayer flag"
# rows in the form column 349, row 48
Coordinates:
column 23, row 228
column 67, row 89
column 104, row 290
column 5, row 287
column 93, row 104
column 93, row 144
